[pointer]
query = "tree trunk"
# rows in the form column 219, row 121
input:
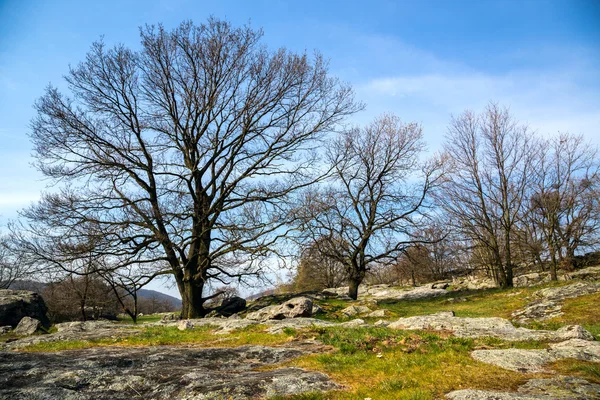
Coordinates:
column 192, row 300
column 353, row 284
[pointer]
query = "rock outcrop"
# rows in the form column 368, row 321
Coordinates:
column 556, row 388
column 482, row 327
column 16, row 304
column 230, row 306
column 156, row 373
column 297, row 307
column 529, row 361
column 547, row 303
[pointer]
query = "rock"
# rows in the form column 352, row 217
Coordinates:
column 278, row 326
column 165, row 372
column 293, row 308
column 354, row 323
column 556, row 388
column 378, row 314
column 230, row 306
column 533, row 360
column 518, row 360
column 316, row 309
column 441, row 285
column 422, row 292
column 16, row 304
column 547, row 303
column 170, row 317
column 5, row 329
column 573, row 332
column 89, row 330
column 381, row 323
column 27, row 326
column 184, row 325
column 482, row 327
column 351, row 311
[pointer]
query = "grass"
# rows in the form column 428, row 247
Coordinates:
column 381, row 363
column 163, row 336
column 404, row 365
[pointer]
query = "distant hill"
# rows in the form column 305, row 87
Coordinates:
column 148, row 294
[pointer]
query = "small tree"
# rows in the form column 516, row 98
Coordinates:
column 375, row 202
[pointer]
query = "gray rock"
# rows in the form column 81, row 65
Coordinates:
column 316, row 309
column 556, row 388
column 16, row 304
column 422, row 292
column 230, row 306
column 351, row 311
column 184, row 325
column 354, row 323
column 378, row 314
column 381, row 323
column 486, row 327
column 294, row 308
column 170, row 317
column 157, row 373
column 89, row 330
column 441, row 285
column 547, row 302
column 533, row 360
column 27, row 326
column 5, row 329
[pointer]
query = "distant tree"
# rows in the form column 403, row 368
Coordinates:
column 491, row 158
column 183, row 154
column 13, row 266
column 317, row 271
column 376, row 200
column 565, row 205
column 83, row 298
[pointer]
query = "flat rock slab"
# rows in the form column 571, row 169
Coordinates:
column 530, row 361
column 156, row 373
column 487, row 327
column 557, row 388
column 91, row 330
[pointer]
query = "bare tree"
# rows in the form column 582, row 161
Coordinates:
column 376, row 201
column 182, row 154
column 492, row 165
column 564, row 204
column 12, row 265
column 317, row 271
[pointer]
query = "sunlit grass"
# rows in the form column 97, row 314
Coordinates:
column 381, row 363
column 163, row 336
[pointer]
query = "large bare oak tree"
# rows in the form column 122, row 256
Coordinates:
column 182, row 154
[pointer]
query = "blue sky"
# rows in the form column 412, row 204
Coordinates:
column 423, row 60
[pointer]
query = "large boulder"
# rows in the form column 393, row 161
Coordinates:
column 16, row 304
column 27, row 326
column 230, row 306
column 297, row 307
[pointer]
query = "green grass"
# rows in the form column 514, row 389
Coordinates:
column 404, row 365
column 162, row 336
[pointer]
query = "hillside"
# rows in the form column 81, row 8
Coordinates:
column 431, row 342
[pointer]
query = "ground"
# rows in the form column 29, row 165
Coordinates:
column 363, row 361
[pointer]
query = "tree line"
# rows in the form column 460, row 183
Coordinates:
column 204, row 156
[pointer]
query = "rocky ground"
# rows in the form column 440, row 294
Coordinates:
column 188, row 371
